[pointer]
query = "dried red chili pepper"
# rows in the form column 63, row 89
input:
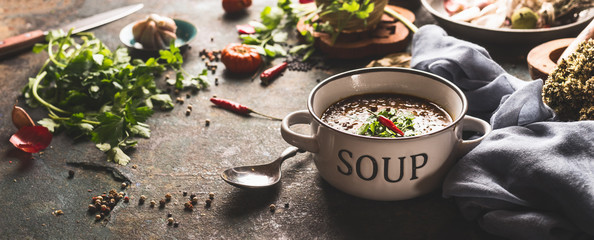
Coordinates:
column 237, row 108
column 389, row 124
column 31, row 139
column 269, row 74
column 245, row 29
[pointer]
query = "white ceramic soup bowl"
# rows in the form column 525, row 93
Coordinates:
column 384, row 168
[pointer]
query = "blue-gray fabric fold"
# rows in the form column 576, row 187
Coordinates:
column 532, row 177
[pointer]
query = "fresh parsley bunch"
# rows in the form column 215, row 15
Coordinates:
column 403, row 120
column 93, row 92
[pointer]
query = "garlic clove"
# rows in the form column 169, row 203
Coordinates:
column 167, row 36
column 159, row 41
column 138, row 28
column 147, row 38
column 164, row 23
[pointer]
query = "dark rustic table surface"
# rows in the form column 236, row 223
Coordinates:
column 183, row 154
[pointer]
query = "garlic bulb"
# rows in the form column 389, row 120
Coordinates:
column 155, row 32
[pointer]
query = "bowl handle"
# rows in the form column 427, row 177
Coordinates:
column 302, row 141
column 476, row 125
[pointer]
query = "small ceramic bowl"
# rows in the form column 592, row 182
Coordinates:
column 185, row 33
column 384, row 168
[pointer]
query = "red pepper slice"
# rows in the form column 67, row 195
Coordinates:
column 31, row 139
column 245, row 29
column 389, row 124
column 305, row 1
column 269, row 74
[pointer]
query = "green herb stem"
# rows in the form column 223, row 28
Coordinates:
column 402, row 19
column 51, row 55
column 54, row 117
column 39, row 99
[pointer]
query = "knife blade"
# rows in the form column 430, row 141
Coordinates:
column 23, row 41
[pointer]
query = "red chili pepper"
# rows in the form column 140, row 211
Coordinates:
column 245, row 29
column 305, row 1
column 237, row 108
column 389, row 124
column 269, row 74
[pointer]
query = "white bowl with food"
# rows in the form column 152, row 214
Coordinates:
column 490, row 21
column 360, row 153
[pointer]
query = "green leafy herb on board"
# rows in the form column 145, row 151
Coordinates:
column 273, row 28
column 403, row 120
column 93, row 92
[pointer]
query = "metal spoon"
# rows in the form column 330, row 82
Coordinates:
column 258, row 176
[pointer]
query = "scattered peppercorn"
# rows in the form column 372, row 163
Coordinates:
column 188, row 206
column 92, row 208
column 162, row 203
column 58, row 212
column 141, row 199
column 207, row 122
column 208, row 202
column 216, row 81
column 185, row 193
column 126, row 199
column 176, row 224
column 97, row 217
column 188, row 112
column 70, row 174
column 272, row 207
column 134, row 166
column 124, row 185
column 170, row 221
column 286, row 205
column 153, row 203
column 192, row 196
column 195, row 200
column 169, row 215
column 168, row 197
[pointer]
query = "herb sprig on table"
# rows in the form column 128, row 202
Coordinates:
column 403, row 120
column 272, row 31
column 93, row 92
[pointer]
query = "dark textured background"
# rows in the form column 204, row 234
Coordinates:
column 185, row 155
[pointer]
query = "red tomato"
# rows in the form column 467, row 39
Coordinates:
column 240, row 58
column 232, row 6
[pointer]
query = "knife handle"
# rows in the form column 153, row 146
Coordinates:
column 21, row 42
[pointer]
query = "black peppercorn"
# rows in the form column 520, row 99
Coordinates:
column 176, row 224
column 185, row 193
column 70, row 174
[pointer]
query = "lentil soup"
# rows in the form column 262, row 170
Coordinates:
column 413, row 115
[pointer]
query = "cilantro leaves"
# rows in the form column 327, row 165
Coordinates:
column 403, row 120
column 93, row 92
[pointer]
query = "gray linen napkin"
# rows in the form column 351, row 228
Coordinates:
column 532, row 177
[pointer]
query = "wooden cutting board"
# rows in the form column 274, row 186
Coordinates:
column 388, row 37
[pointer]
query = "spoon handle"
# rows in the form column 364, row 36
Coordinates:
column 287, row 153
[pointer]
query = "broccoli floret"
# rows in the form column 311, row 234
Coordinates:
column 569, row 89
